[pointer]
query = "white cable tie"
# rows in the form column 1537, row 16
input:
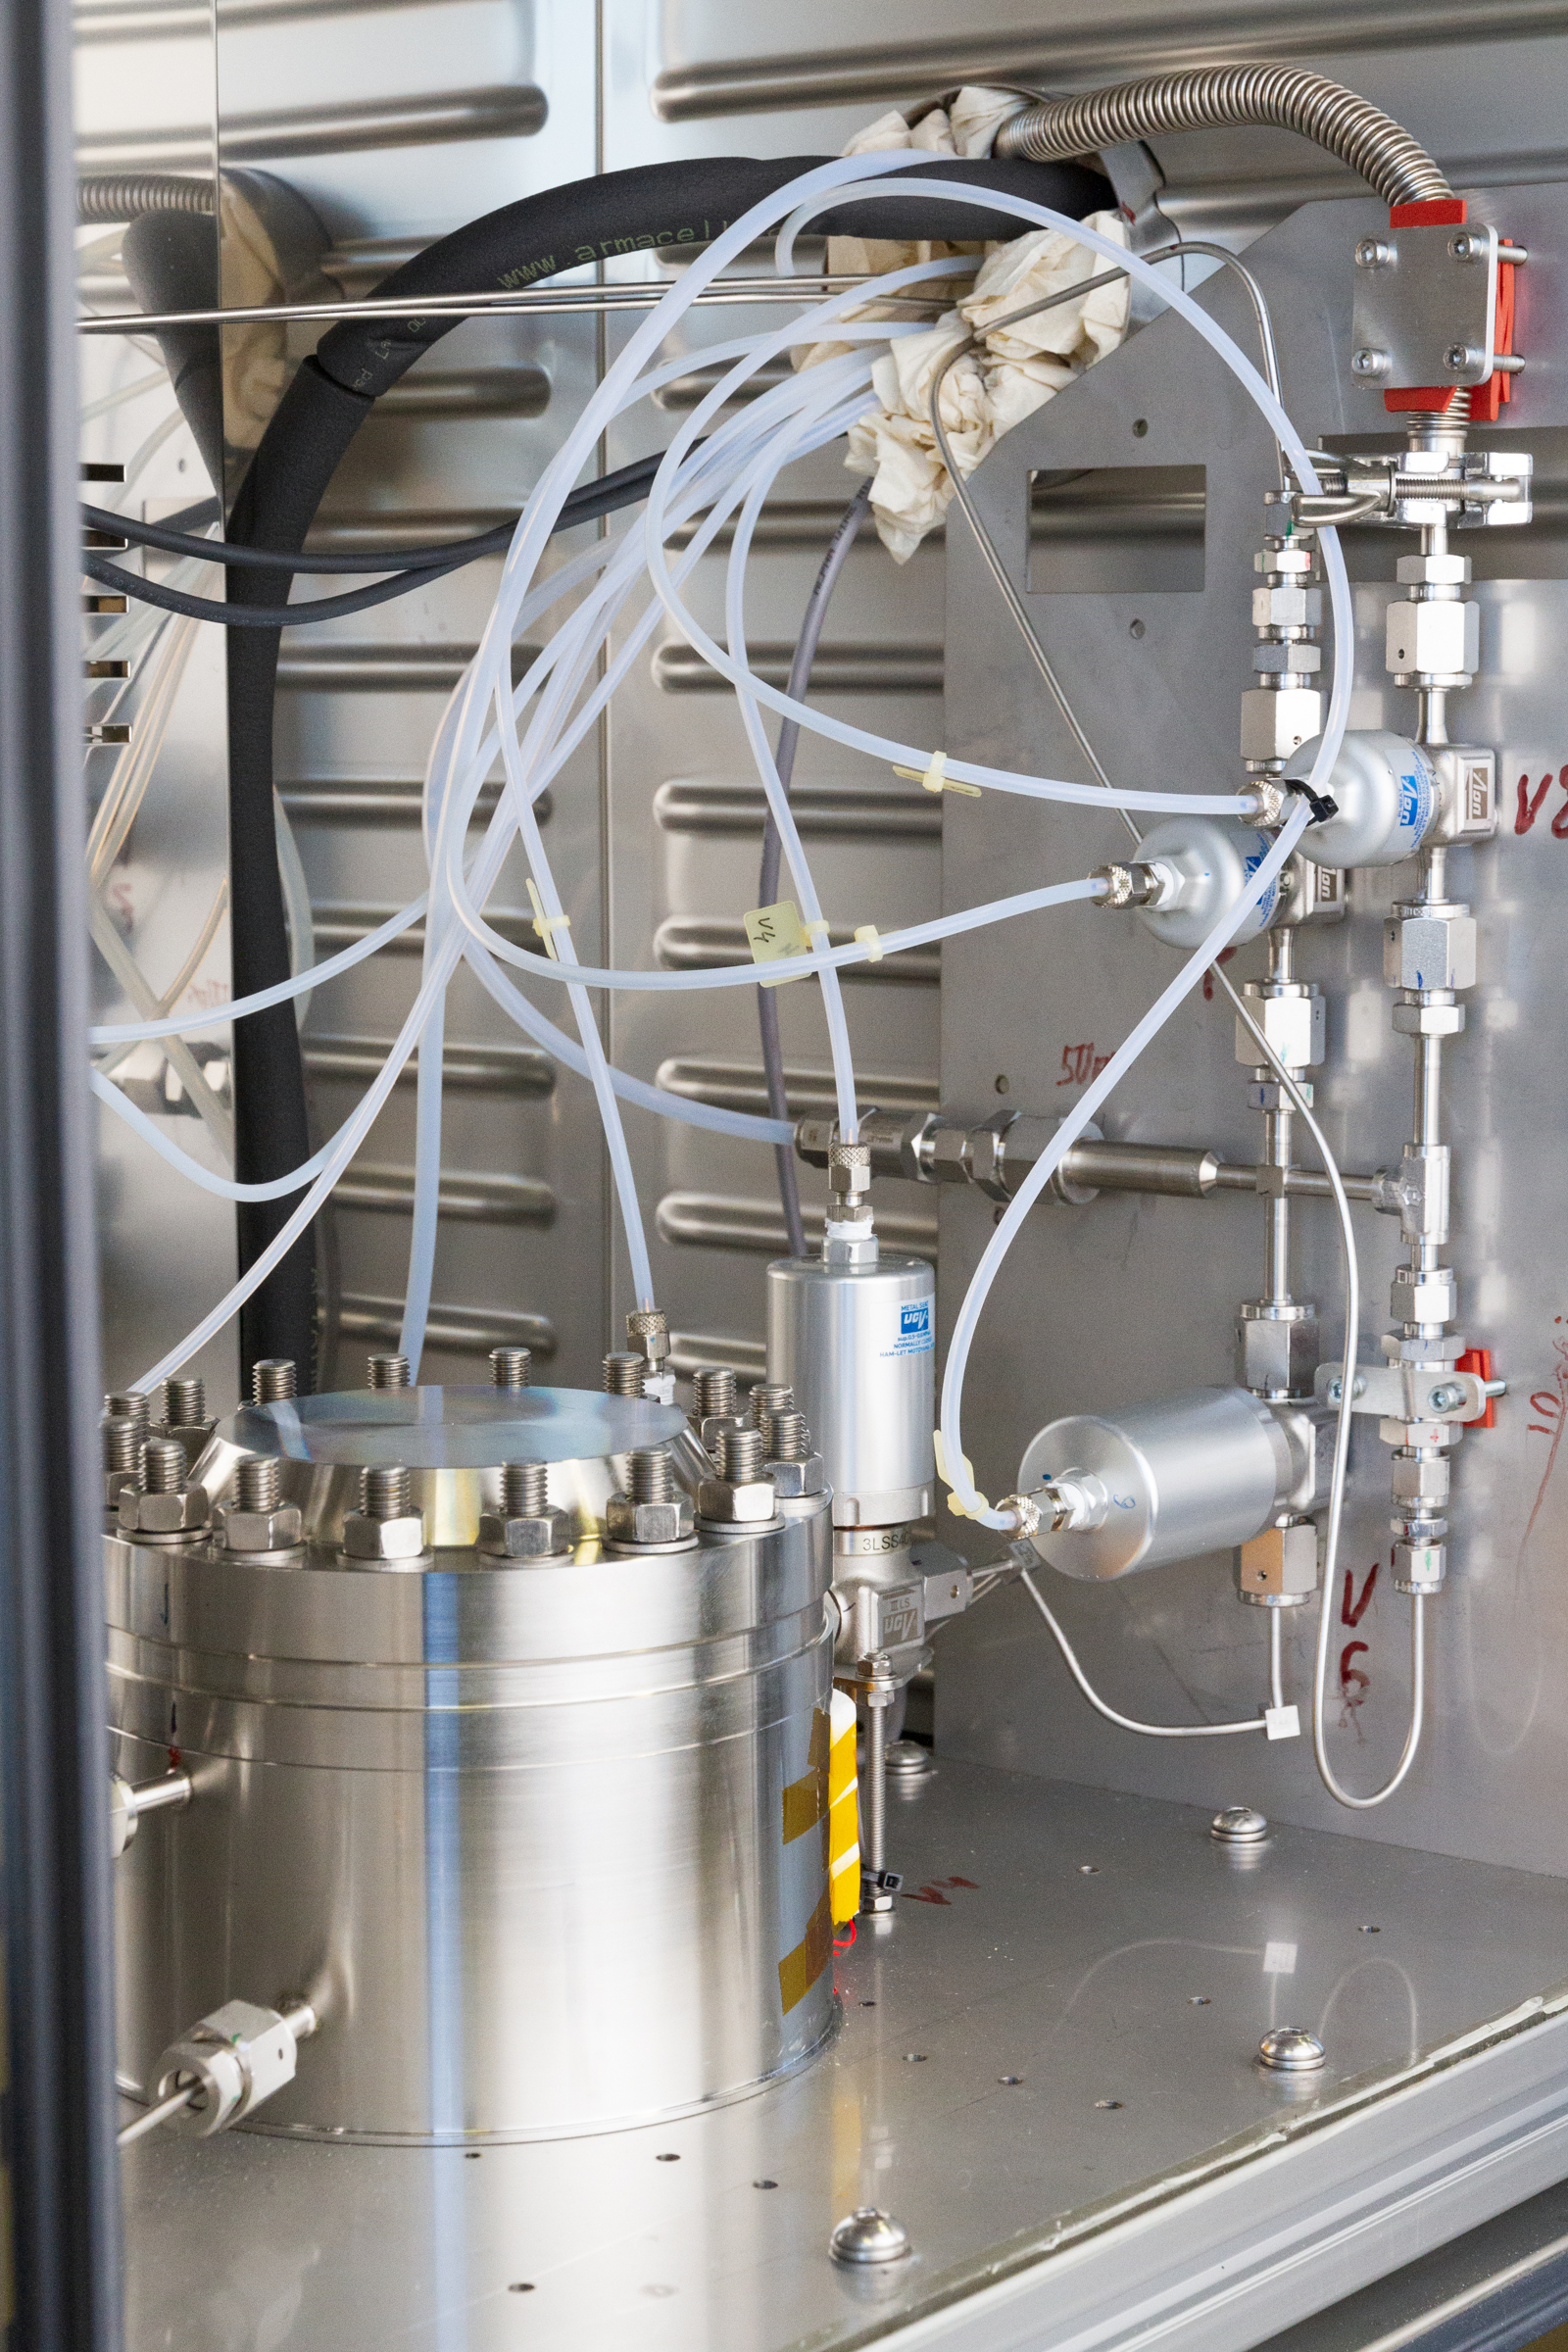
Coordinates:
column 870, row 938
column 936, row 778
column 547, row 925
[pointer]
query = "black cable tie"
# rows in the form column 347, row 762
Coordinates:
column 1322, row 805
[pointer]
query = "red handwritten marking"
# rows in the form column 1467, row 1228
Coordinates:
column 931, row 1892
column 1560, row 1348
column 1548, row 1402
column 1529, row 806
column 1078, row 1064
column 1351, row 1615
column 1350, row 1674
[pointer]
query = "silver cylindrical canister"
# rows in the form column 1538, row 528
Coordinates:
column 1159, row 1482
column 1207, row 865
column 858, row 1346
column 541, row 1841
column 1386, row 798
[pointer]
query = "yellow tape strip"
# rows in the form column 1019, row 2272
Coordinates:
column 799, row 1970
column 547, row 925
column 936, row 778
column 960, row 1510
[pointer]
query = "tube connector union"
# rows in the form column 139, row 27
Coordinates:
column 1021, row 1516
column 1132, row 885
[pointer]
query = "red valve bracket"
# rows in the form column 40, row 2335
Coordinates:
column 1479, row 1361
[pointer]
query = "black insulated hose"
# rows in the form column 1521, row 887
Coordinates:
column 656, row 206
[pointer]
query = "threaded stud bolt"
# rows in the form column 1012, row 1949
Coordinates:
column 257, row 1483
column 124, row 1438
column 788, row 1438
column 386, row 1372
column 524, row 1488
column 511, row 1367
column 187, row 1403
column 131, row 1404
column 714, row 1393
column 274, row 1380
column 623, row 1373
column 766, row 1398
column 162, row 1466
column 739, row 1455
column 652, row 1475
column 385, row 1492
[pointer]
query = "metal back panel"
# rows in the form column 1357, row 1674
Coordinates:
column 1129, row 1299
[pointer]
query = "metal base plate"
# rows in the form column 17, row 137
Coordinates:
column 1045, row 2071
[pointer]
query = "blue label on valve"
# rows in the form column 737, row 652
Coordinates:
column 914, row 1334
column 1415, row 804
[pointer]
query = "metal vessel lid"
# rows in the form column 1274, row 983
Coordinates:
column 1291, row 2050
column 869, row 2235
column 453, row 1429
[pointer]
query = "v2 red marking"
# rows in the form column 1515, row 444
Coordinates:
column 1528, row 806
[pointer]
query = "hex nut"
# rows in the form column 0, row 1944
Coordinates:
column 1288, row 608
column 181, row 1514
column 1293, row 1025
column 731, row 1505
column 367, row 1539
column 791, row 1479
column 1276, row 725
column 629, row 1522
column 1277, row 1354
column 535, row 1537
column 1426, row 1479
column 281, row 1529
column 1435, row 639
column 116, row 1482
column 1430, row 951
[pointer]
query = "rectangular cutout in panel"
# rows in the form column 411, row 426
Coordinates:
column 1110, row 530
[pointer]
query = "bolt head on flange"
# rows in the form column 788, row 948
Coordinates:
column 389, row 1541
column 666, row 1522
column 748, row 1503
column 181, row 1514
column 1291, row 2050
column 869, row 2235
column 795, row 1479
column 1239, row 1825
column 281, row 1529
column 545, row 1536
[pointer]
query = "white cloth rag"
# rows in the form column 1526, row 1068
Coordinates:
column 1008, row 373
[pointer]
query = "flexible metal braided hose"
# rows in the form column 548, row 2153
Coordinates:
column 126, row 195
column 1225, row 97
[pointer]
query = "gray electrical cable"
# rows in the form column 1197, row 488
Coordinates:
column 789, row 735
column 1128, row 1723
column 1227, row 97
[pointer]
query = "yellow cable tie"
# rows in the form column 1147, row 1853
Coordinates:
column 959, row 1511
column 936, row 778
column 870, row 938
column 547, row 925
column 821, row 924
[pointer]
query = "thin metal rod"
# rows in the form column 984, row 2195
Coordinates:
column 993, row 564
column 877, row 1785
column 155, row 2116
column 560, row 301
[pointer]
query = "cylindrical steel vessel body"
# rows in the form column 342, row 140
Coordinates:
column 543, row 1843
column 858, row 1346
column 1183, row 1476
